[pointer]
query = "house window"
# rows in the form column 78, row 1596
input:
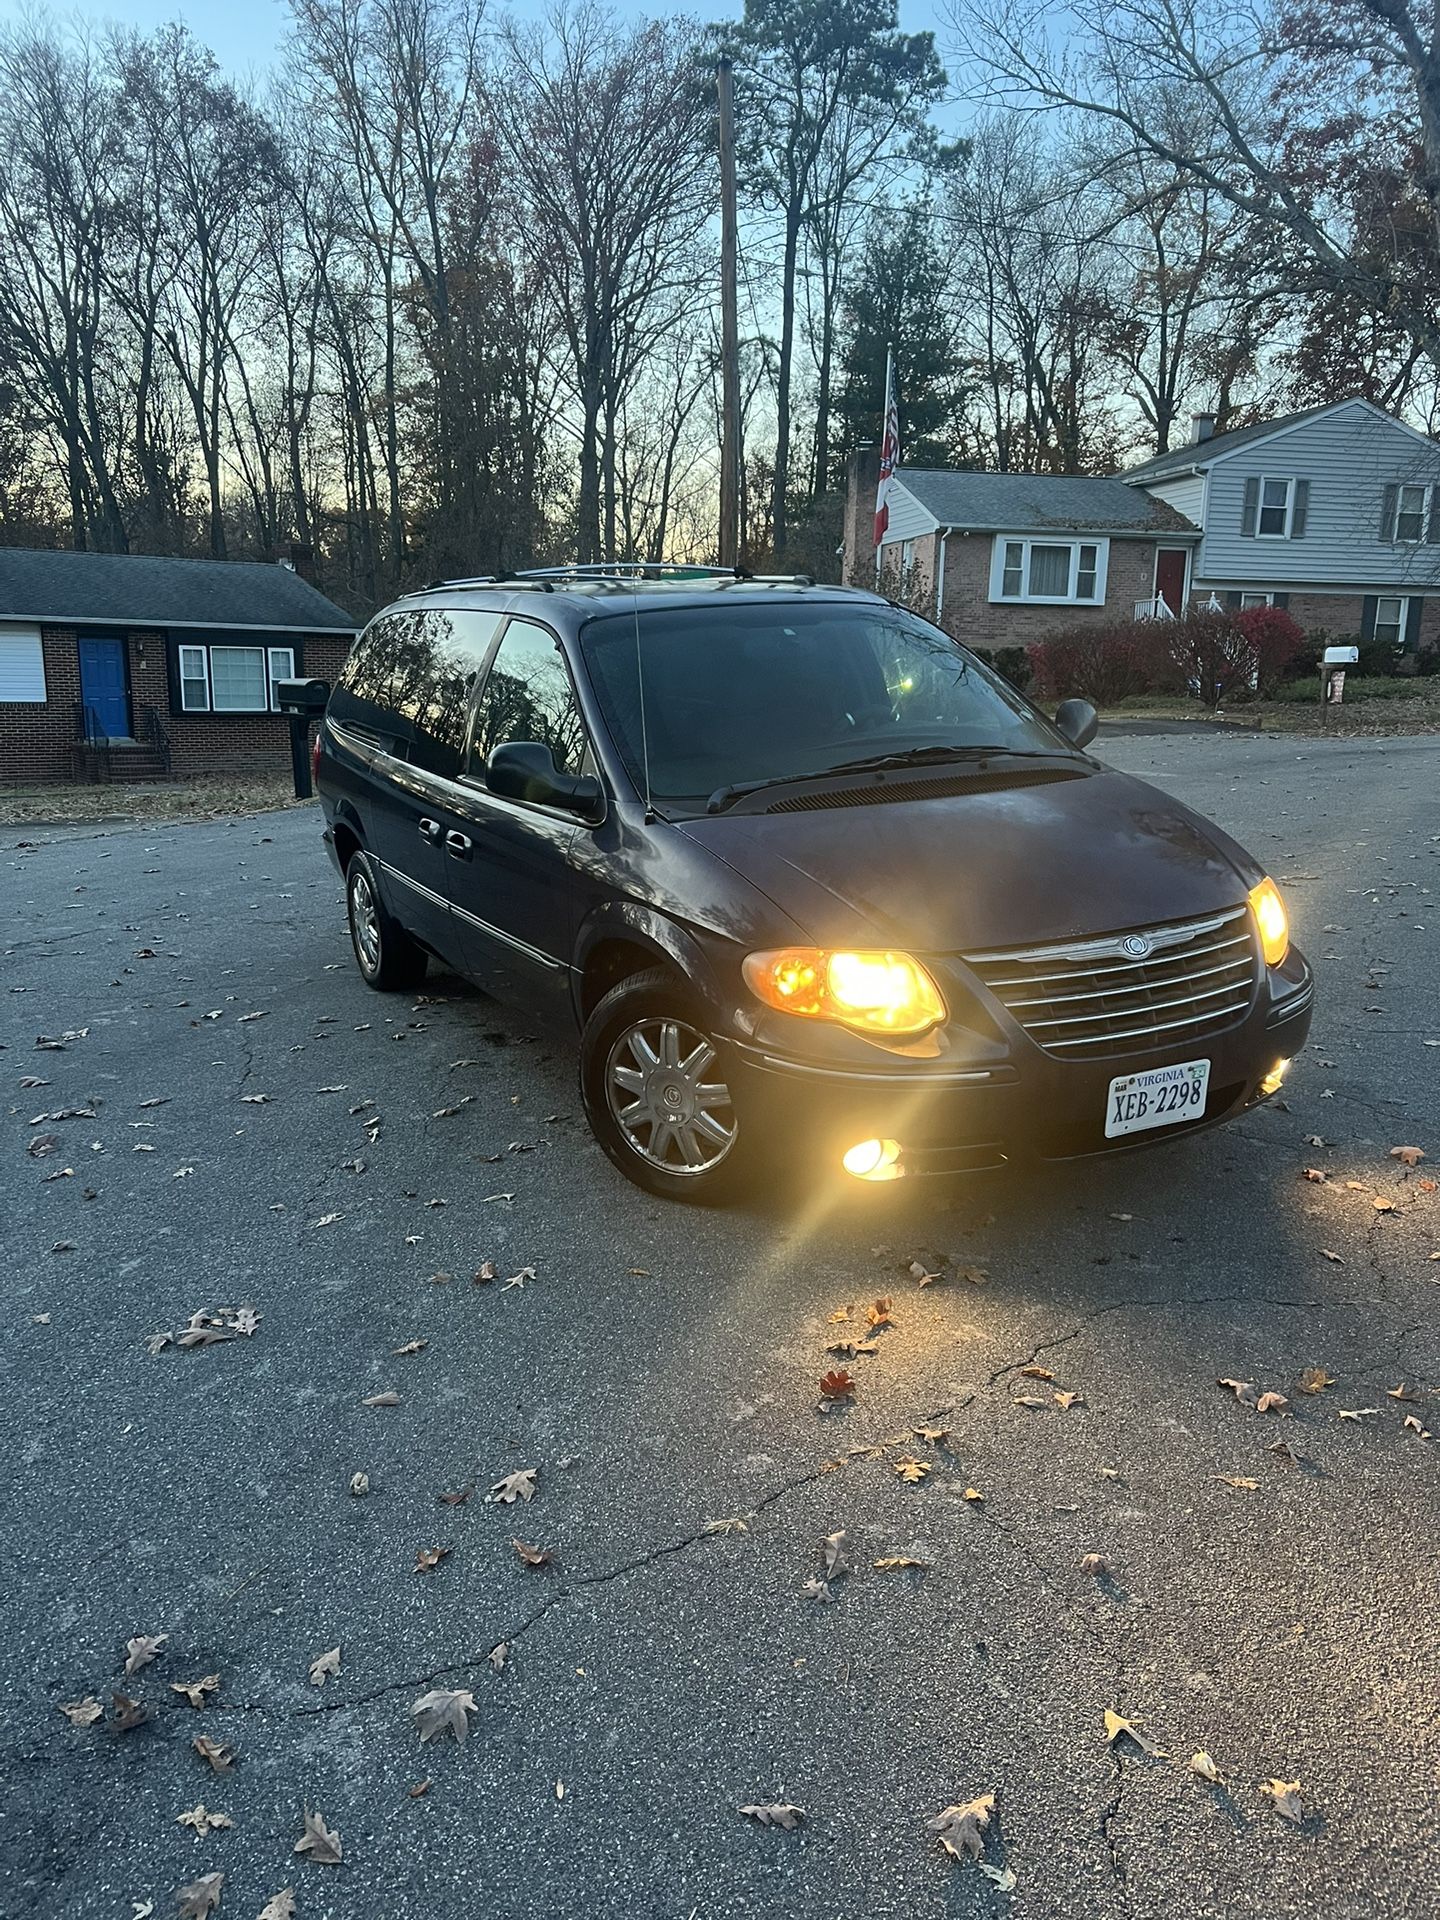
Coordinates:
column 1049, row 571
column 907, row 555
column 1256, row 600
column 232, row 679
column 22, row 667
column 1390, row 618
column 1275, row 497
column 1410, row 514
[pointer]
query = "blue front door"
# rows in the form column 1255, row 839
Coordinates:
column 103, row 688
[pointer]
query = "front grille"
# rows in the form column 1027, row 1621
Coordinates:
column 948, row 787
column 1084, row 998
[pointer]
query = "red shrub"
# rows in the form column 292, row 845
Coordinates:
column 1103, row 663
column 1274, row 640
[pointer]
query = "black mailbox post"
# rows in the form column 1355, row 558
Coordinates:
column 301, row 701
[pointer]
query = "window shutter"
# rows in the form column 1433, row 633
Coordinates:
column 1252, row 505
column 1281, row 600
column 1299, row 509
column 1414, row 607
column 1389, row 502
column 1432, row 533
column 1232, row 599
column 1367, row 608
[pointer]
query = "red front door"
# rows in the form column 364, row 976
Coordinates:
column 1170, row 577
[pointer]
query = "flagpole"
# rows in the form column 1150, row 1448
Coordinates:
column 889, row 454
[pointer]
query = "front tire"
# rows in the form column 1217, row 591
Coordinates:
column 388, row 959
column 656, row 1094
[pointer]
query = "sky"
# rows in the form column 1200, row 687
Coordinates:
column 246, row 38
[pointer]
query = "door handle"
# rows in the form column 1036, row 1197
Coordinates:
column 430, row 830
column 459, row 845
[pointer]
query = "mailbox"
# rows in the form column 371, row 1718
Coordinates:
column 1334, row 657
column 302, row 699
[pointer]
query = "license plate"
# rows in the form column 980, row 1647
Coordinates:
column 1158, row 1097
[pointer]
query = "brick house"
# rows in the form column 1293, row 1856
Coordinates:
column 135, row 666
column 1333, row 513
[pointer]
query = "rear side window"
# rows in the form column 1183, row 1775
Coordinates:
column 407, row 685
column 528, row 696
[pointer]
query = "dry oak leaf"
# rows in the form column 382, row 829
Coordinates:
column 1028, row 1400
column 410, row 1346
column 281, row 1907
column 1284, row 1796
column 1116, row 1724
column 960, row 1829
column 532, row 1556
column 389, row 1398
column 1271, row 1403
column 817, row 1589
column 1334, row 1258
column 126, row 1713
column 203, row 1820
column 196, row 1690
column 1202, row 1764
column 837, row 1385
column 359, row 1485
column 878, row 1312
column 1411, row 1156
column 936, row 1436
column 1315, row 1380
column 853, row 1349
column 776, row 1814
column 1359, row 1413
column 325, row 1667
column 1004, row 1877
column 922, row 1273
column 199, row 1897
column 498, row 1655
column 1238, row 1481
column 455, row 1499
column 82, row 1713
column 1095, row 1564
column 219, row 1756
column 974, row 1496
column 1067, row 1400
column 1402, row 1392
column 1316, row 1174
column 515, row 1486
column 913, row 1471
column 319, row 1841
column 1036, row 1373
column 443, row 1710
column 895, row 1562
column 1244, row 1391
column 837, row 1554
column 141, row 1649
column 428, row 1558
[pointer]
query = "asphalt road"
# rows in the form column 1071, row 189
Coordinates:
column 660, row 1371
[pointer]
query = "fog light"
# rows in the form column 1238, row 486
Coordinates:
column 1275, row 1079
column 873, row 1160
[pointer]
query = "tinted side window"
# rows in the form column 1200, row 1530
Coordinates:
column 408, row 683
column 528, row 696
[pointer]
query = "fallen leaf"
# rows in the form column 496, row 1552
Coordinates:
column 895, row 1562
column 1411, row 1156
column 1245, row 1392
column 126, row 1713
column 219, row 1757
column 1004, row 1877
column 1238, row 1481
column 1067, row 1400
column 457, row 1498
column 1286, row 1452
column 419, row 1790
column 977, row 1276
column 816, row 1589
column 443, row 1710
column 1334, row 1258
column 142, row 1649
column 484, row 1272
column 325, row 1667
column 878, row 1312
column 1095, row 1564
column 199, row 1897
column 960, row 1829
column 1383, row 1206
column 837, row 1554
column 498, row 1655
column 410, row 1346
column 776, row 1814
column 359, row 1485
column 1028, row 1400
column 1359, row 1413
column 82, row 1713
column 1116, row 1724
column 922, row 1273
column 936, row 1436
column 1315, row 1380
column 280, row 1907
column 203, row 1820
column 1314, row 1173
column 196, row 1690
column 1202, row 1764
column 1402, row 1392
column 1284, row 1796
column 428, row 1558
column 515, row 1486
column 319, row 1841
column 389, row 1398
column 853, row 1349
column 913, row 1471
column 837, row 1385
column 1036, row 1373
column 532, row 1556
column 1271, row 1403
column 1413, row 1424
column 974, row 1496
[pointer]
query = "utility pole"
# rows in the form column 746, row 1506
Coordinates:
column 729, row 324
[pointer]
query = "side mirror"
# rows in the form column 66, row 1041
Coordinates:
column 1078, row 721
column 302, row 699
column 525, row 770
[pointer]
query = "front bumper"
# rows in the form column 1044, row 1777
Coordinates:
column 1030, row 1107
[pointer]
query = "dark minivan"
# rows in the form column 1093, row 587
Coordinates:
column 803, row 872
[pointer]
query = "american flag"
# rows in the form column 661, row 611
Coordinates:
column 889, row 454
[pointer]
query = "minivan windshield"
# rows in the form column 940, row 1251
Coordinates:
column 740, row 695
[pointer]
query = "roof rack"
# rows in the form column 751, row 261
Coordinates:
column 617, row 572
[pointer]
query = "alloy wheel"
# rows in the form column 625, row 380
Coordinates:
column 658, row 1094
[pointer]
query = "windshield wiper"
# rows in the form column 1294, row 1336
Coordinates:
column 724, row 797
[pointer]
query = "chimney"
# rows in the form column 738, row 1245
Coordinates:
column 862, row 477
column 301, row 560
column 1202, row 425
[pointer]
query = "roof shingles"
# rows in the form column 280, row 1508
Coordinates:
column 127, row 589
column 1040, row 502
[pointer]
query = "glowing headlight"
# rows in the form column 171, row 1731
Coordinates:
column 874, row 992
column 1271, row 919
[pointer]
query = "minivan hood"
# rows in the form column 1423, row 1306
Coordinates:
column 991, row 869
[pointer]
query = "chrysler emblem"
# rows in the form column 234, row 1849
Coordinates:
column 1136, row 945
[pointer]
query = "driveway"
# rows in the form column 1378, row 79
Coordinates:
column 256, row 1129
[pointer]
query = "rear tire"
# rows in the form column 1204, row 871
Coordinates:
column 656, row 1093
column 388, row 959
